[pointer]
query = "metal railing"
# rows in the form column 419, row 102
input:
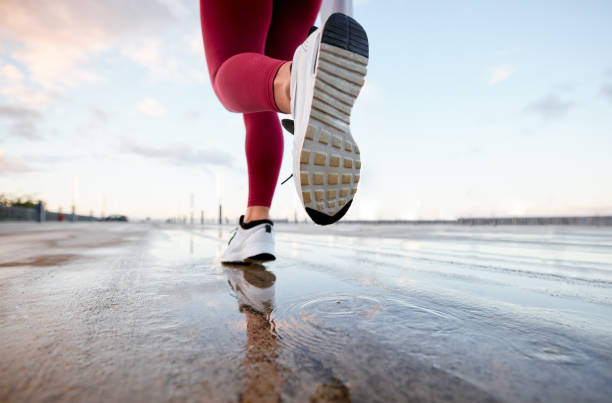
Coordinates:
column 14, row 213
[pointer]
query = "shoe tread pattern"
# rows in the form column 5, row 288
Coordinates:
column 344, row 32
column 330, row 160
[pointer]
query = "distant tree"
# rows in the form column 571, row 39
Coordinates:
column 24, row 201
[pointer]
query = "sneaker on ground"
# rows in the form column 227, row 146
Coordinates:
column 327, row 74
column 251, row 242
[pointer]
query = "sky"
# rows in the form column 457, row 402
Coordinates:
column 471, row 108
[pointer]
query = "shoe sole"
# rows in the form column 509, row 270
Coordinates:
column 261, row 258
column 257, row 259
column 330, row 161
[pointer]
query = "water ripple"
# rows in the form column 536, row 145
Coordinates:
column 328, row 323
column 540, row 347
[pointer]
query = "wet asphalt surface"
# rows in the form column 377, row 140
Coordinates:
column 138, row 312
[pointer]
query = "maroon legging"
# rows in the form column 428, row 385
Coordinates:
column 246, row 42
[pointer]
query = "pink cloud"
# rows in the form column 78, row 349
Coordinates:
column 56, row 40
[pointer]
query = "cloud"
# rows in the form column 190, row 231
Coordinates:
column 10, row 73
column 606, row 91
column 159, row 63
column 98, row 114
column 23, row 121
column 178, row 8
column 11, row 166
column 166, row 60
column 499, row 74
column 151, row 107
column 181, row 155
column 97, row 120
column 16, row 92
column 56, row 42
column 145, row 52
column 26, row 96
column 550, row 107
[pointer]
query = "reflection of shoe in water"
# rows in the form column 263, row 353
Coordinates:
column 327, row 74
column 251, row 242
column 254, row 287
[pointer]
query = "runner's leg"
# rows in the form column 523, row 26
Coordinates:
column 234, row 33
column 235, row 36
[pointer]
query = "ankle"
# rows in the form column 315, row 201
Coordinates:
column 254, row 213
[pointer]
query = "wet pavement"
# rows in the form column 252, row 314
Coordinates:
column 135, row 312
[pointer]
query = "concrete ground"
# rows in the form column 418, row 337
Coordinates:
column 143, row 312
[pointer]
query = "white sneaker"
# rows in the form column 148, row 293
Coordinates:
column 251, row 242
column 327, row 74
